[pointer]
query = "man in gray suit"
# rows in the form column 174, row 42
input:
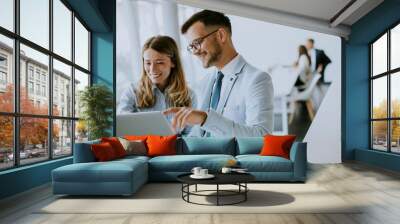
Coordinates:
column 238, row 98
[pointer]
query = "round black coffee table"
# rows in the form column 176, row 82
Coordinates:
column 238, row 179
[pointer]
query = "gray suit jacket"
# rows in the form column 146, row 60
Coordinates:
column 245, row 107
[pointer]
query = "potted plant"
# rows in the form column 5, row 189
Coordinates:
column 96, row 102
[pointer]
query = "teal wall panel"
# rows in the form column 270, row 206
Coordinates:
column 356, row 76
column 24, row 178
column 376, row 158
column 102, row 58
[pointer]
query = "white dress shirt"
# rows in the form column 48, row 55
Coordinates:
column 313, row 56
column 303, row 70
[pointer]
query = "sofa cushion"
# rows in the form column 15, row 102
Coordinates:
column 111, row 171
column 131, row 158
column 185, row 163
column 196, row 146
column 249, row 145
column 257, row 163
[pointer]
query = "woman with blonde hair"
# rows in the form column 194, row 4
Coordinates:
column 162, row 83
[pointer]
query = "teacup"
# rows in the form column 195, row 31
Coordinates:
column 203, row 172
column 196, row 170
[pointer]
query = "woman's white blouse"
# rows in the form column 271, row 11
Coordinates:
column 303, row 69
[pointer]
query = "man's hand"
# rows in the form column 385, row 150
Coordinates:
column 186, row 116
column 320, row 67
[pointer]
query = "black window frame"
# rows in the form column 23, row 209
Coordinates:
column 388, row 74
column 16, row 115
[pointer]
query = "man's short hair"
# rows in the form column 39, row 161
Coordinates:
column 311, row 40
column 208, row 18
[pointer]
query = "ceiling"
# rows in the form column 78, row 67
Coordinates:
column 326, row 16
column 319, row 9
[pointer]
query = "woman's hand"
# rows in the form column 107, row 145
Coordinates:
column 186, row 116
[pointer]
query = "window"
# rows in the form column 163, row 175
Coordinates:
column 3, row 61
column 43, row 90
column 62, row 140
column 38, row 89
column 6, row 71
column 81, row 81
column 46, row 73
column 81, row 45
column 3, row 78
column 35, row 22
column 30, row 87
column 37, row 74
column 3, row 72
column 62, row 29
column 6, row 142
column 62, row 75
column 385, row 94
column 30, row 72
column 7, row 14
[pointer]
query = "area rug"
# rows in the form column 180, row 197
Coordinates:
column 167, row 198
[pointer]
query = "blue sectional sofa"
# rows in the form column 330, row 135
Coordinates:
column 125, row 176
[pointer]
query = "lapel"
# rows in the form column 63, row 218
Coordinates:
column 317, row 58
column 207, row 97
column 231, row 82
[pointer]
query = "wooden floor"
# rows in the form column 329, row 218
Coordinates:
column 377, row 188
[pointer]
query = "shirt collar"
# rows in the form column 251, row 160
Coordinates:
column 234, row 66
column 156, row 89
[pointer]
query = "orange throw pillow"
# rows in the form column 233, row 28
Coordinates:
column 103, row 151
column 116, row 145
column 161, row 145
column 136, row 137
column 275, row 145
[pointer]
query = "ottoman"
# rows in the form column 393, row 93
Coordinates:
column 118, row 177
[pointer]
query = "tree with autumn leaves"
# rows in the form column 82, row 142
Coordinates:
column 380, row 127
column 34, row 130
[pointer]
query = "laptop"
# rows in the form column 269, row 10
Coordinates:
column 144, row 123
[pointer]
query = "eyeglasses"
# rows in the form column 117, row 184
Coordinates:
column 196, row 44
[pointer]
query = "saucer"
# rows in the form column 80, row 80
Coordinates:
column 208, row 176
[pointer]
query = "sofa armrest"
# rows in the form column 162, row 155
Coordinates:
column 298, row 155
column 83, row 152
